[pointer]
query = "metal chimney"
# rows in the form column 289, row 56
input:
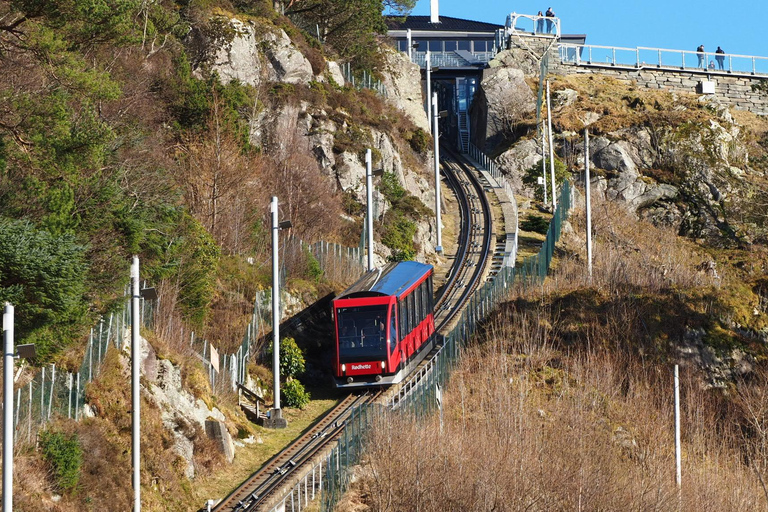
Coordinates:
column 433, row 16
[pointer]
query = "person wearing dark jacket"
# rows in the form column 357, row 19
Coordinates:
column 700, row 53
column 720, row 57
column 550, row 14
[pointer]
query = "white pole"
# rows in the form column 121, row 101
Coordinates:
column 135, row 379
column 587, row 187
column 551, row 152
column 436, row 137
column 429, row 87
column 409, row 40
column 8, row 408
column 544, row 159
column 275, row 309
column 678, row 463
column 369, row 206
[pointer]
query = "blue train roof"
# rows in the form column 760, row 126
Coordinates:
column 393, row 279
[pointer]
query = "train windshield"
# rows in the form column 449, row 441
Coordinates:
column 362, row 333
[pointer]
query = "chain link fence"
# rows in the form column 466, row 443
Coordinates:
column 53, row 393
column 334, row 262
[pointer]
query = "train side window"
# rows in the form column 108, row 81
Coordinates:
column 409, row 305
column 417, row 306
column 431, row 294
column 393, row 330
column 403, row 316
column 424, row 301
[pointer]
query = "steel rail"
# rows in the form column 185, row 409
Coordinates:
column 261, row 484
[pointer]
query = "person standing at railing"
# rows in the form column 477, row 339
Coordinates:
column 720, row 57
column 540, row 23
column 700, row 53
column 550, row 14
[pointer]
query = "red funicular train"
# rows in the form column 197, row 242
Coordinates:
column 383, row 323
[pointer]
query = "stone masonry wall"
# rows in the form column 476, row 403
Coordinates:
column 731, row 89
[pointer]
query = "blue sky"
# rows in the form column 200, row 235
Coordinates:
column 738, row 26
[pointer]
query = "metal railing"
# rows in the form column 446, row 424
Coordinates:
column 366, row 81
column 418, row 395
column 660, row 58
column 488, row 164
column 55, row 393
column 451, row 59
column 531, row 24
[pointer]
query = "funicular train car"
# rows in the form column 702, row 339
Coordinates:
column 383, row 323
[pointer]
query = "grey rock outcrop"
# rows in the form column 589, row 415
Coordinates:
column 182, row 414
column 237, row 50
column 502, row 101
column 402, row 79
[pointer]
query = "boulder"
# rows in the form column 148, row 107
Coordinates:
column 402, row 80
column 503, row 99
column 217, row 431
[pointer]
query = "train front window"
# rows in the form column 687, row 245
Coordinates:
column 362, row 333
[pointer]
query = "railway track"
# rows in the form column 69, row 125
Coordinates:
column 474, row 248
column 262, row 490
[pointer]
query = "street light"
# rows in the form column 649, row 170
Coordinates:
column 369, row 174
column 26, row 352
column 276, row 419
column 435, row 136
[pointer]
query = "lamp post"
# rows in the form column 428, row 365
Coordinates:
column 435, row 137
column 276, row 419
column 429, row 87
column 551, row 151
column 369, row 174
column 135, row 379
column 8, row 408
column 409, row 42
column 27, row 352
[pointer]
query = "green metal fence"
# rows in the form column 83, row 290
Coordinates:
column 55, row 393
column 418, row 396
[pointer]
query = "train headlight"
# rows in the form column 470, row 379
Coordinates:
column 383, row 365
column 343, row 368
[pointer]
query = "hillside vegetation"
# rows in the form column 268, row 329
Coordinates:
column 117, row 138
column 565, row 400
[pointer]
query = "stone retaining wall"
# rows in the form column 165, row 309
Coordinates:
column 732, row 89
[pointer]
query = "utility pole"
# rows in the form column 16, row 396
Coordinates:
column 429, row 87
column 276, row 419
column 436, row 137
column 8, row 356
column 678, row 458
column 544, row 159
column 587, row 187
column 551, row 152
column 135, row 380
column 369, row 206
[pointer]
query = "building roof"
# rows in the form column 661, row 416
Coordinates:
column 447, row 24
column 393, row 279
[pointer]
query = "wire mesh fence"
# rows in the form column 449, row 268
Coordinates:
column 421, row 394
column 53, row 392
column 334, row 262
column 364, row 81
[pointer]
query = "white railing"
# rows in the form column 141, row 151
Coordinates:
column 490, row 166
column 450, row 59
column 660, row 58
column 528, row 24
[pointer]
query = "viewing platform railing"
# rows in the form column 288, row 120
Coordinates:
column 659, row 58
column 451, row 59
column 531, row 24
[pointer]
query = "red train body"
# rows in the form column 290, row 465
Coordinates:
column 383, row 323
